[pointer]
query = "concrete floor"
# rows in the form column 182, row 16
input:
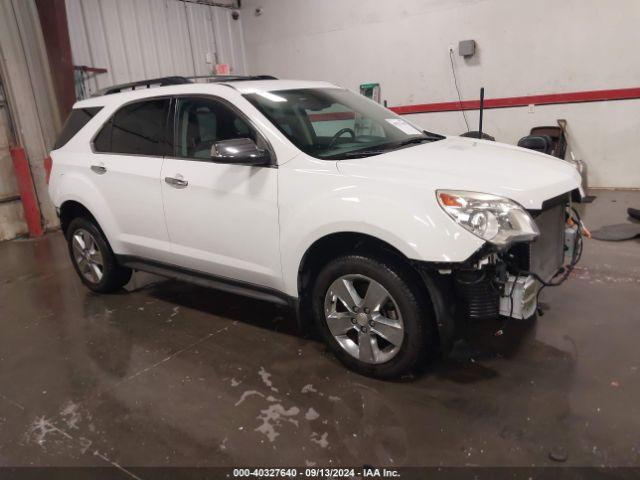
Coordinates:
column 171, row 374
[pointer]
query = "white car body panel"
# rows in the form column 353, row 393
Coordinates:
column 254, row 224
column 133, row 191
column 316, row 200
column 225, row 222
column 458, row 163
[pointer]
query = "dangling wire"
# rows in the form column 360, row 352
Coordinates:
column 563, row 272
column 455, row 82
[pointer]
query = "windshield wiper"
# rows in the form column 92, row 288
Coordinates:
column 433, row 136
column 412, row 141
column 384, row 148
column 362, row 153
column 429, row 137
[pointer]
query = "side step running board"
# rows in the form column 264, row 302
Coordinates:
column 203, row 279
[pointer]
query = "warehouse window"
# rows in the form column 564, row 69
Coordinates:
column 77, row 119
column 136, row 129
column 203, row 122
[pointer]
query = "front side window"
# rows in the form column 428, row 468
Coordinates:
column 201, row 122
column 332, row 123
column 137, row 129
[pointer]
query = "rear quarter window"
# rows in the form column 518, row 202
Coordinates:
column 139, row 128
column 77, row 119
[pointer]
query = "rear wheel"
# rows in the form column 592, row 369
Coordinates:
column 93, row 259
column 372, row 316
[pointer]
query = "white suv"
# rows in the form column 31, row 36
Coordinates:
column 389, row 237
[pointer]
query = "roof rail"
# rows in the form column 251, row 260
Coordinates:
column 177, row 80
column 156, row 82
column 231, row 78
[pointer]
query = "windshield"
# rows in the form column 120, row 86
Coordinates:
column 332, row 123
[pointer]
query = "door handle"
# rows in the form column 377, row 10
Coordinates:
column 177, row 181
column 99, row 169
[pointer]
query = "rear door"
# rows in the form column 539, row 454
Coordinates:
column 126, row 166
column 222, row 218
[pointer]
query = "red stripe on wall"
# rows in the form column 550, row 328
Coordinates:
column 506, row 102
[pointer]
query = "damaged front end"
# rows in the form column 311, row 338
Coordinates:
column 506, row 281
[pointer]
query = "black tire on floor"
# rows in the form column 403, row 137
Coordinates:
column 420, row 338
column 114, row 276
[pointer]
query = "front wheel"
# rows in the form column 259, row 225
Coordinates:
column 373, row 316
column 93, row 259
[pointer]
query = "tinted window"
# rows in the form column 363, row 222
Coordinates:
column 77, row 119
column 138, row 128
column 102, row 142
column 202, row 122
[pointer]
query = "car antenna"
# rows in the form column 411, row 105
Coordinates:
column 481, row 111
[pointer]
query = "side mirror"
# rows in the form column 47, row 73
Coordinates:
column 241, row 151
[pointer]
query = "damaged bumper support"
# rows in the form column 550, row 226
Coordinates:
column 519, row 297
column 508, row 282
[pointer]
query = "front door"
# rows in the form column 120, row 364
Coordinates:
column 222, row 218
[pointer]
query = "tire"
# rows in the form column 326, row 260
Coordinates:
column 99, row 271
column 391, row 353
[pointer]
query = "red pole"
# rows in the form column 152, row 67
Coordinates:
column 27, row 191
column 53, row 20
column 48, row 165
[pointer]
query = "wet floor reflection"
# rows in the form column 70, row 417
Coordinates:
column 169, row 373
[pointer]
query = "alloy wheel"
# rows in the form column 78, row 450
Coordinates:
column 364, row 318
column 87, row 255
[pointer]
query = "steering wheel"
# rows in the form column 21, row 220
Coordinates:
column 339, row 133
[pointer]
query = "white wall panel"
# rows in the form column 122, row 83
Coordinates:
column 524, row 48
column 129, row 32
column 139, row 39
column 230, row 41
column 179, row 38
column 146, row 33
column 203, row 44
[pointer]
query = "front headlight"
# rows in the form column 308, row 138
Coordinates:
column 497, row 220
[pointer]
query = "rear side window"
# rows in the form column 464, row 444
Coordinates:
column 138, row 129
column 77, row 119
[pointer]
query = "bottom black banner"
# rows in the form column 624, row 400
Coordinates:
column 355, row 473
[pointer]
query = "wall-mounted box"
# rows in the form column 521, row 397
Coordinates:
column 467, row 48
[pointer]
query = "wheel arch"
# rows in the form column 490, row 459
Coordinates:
column 342, row 243
column 339, row 243
column 71, row 209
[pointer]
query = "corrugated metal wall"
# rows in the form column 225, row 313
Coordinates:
column 140, row 39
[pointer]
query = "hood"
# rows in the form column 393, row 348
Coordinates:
column 458, row 163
